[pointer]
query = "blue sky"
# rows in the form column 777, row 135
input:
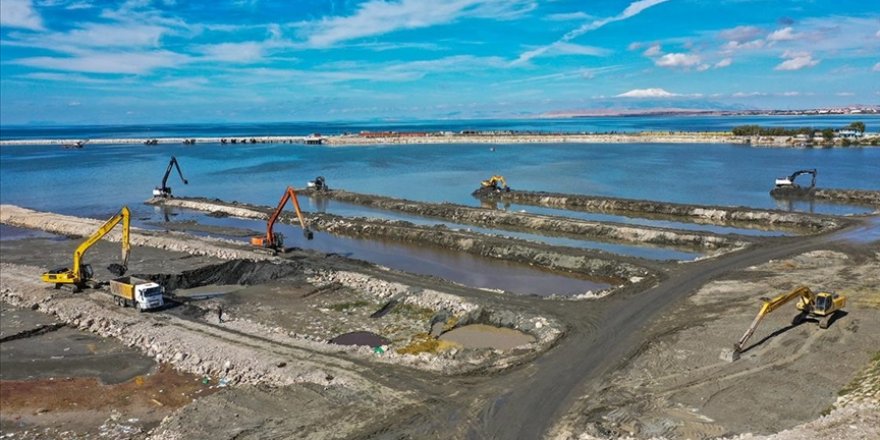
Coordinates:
column 141, row 61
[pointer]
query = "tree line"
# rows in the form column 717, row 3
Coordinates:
column 757, row 130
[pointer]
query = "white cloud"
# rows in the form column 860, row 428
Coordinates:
column 377, row 17
column 784, row 34
column 791, row 93
column 796, row 61
column 748, row 94
column 724, row 63
column 652, row 51
column 647, row 93
column 568, row 16
column 632, row 10
column 845, row 94
column 740, row 34
column 20, row 14
column 245, row 52
column 683, row 60
column 102, row 62
column 876, row 67
column 577, row 49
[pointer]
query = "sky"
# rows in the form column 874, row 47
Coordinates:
column 165, row 61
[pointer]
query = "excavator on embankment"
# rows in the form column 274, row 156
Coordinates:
column 164, row 190
column 80, row 273
column 821, row 306
column 494, row 184
column 786, row 186
column 274, row 240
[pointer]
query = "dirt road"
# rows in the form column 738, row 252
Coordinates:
column 601, row 337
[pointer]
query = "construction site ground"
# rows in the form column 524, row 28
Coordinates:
column 641, row 361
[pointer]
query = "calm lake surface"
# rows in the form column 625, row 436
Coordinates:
column 97, row 180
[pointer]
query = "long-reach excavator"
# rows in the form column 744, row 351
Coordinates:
column 164, row 190
column 822, row 306
column 274, row 240
column 788, row 182
column 77, row 275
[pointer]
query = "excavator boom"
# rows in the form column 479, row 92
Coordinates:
column 76, row 274
column 164, row 190
column 271, row 239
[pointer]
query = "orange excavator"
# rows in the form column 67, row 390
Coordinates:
column 274, row 240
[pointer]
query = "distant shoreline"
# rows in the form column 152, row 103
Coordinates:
column 422, row 138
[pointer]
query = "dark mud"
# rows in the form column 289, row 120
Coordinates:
column 718, row 215
column 241, row 272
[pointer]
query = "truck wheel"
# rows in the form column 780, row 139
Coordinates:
column 139, row 308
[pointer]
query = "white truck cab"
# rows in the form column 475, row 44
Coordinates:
column 138, row 293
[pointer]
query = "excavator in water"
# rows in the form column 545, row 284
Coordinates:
column 319, row 184
column 77, row 275
column 822, row 306
column 274, row 240
column 164, row 190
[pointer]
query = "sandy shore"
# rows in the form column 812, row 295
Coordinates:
column 454, row 138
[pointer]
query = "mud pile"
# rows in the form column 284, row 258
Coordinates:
column 244, row 272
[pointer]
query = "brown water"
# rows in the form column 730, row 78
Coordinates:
column 487, row 336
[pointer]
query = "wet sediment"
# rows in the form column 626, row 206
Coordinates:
column 589, row 263
column 556, row 226
column 706, row 214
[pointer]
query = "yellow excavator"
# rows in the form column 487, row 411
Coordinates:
column 497, row 183
column 77, row 275
column 822, row 306
column 274, row 240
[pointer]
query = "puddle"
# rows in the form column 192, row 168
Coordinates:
column 868, row 233
column 487, row 336
column 368, row 339
column 458, row 267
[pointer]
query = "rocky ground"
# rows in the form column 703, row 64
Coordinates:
column 788, row 376
column 266, row 367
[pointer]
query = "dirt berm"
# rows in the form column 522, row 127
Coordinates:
column 716, row 215
column 594, row 264
column 604, row 231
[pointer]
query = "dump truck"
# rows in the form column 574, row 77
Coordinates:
column 138, row 293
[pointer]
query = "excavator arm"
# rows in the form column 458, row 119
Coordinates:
column 799, row 172
column 768, row 306
column 75, row 274
column 164, row 190
column 494, row 181
column 272, row 240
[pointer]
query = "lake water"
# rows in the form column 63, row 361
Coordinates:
column 98, row 179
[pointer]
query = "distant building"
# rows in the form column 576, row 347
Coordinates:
column 848, row 133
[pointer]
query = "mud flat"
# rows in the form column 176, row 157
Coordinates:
column 604, row 231
column 847, row 196
column 789, row 375
column 593, row 264
column 716, row 215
